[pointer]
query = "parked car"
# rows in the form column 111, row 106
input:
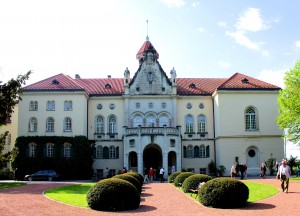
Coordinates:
column 42, row 175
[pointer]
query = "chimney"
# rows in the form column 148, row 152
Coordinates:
column 108, row 76
column 77, row 76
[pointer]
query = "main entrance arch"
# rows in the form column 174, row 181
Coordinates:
column 152, row 157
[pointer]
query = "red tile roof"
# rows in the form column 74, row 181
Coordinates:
column 144, row 48
column 55, row 83
column 241, row 81
column 115, row 86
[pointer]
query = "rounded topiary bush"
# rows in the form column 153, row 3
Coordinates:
column 224, row 193
column 178, row 181
column 130, row 179
column 138, row 176
column 172, row 177
column 192, row 182
column 113, row 194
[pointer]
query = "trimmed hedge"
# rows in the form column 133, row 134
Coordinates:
column 172, row 177
column 133, row 180
column 138, row 176
column 178, row 181
column 192, row 182
column 113, row 194
column 224, row 193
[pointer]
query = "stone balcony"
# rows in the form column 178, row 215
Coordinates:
column 145, row 131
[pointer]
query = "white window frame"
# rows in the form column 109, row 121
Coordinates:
column 67, row 150
column 67, row 124
column 33, row 106
column 112, row 124
column 32, row 150
column 32, row 127
column 99, row 152
column 112, row 152
column 50, row 122
column 251, row 119
column 201, row 124
column 51, row 105
column 68, row 105
column 189, row 124
column 99, row 125
column 50, row 150
column 189, row 151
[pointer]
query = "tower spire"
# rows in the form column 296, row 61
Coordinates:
column 147, row 38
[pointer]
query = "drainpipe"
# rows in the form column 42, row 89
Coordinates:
column 214, row 129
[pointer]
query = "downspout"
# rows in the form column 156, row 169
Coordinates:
column 214, row 129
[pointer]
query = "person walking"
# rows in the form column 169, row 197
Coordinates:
column 284, row 173
column 161, row 174
column 232, row 171
column 263, row 170
column 151, row 174
column 146, row 179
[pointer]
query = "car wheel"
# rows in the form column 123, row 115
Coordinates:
column 50, row 178
column 30, row 179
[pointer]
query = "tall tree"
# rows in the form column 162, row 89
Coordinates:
column 10, row 96
column 289, row 101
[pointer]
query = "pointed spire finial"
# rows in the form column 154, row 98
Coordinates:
column 147, row 38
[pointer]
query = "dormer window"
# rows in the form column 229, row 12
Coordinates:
column 192, row 85
column 245, row 81
column 137, row 89
column 107, row 86
column 55, row 82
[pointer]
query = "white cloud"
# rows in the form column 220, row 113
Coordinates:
column 297, row 43
column 195, row 4
column 243, row 40
column 200, row 29
column 251, row 20
column 222, row 24
column 265, row 53
column 224, row 64
column 176, row 3
column 275, row 77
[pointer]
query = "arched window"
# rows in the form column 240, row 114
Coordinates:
column 190, row 151
column 201, row 124
column 32, row 127
column 150, row 120
column 99, row 125
column 32, row 150
column 112, row 124
column 99, row 152
column 67, row 150
column 50, row 150
column 112, row 152
column 67, row 124
column 50, row 124
column 163, row 121
column 250, row 119
column 137, row 121
column 202, row 151
column 189, row 124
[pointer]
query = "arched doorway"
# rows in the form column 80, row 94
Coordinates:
column 152, row 157
column 171, row 161
column 132, row 161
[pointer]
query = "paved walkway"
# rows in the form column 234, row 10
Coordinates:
column 157, row 199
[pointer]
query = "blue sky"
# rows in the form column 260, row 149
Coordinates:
column 198, row 38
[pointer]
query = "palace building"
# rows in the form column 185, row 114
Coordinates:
column 154, row 119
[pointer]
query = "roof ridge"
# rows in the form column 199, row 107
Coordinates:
column 226, row 81
column 72, row 80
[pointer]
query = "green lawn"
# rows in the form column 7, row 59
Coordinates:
column 257, row 191
column 295, row 179
column 73, row 194
column 10, row 185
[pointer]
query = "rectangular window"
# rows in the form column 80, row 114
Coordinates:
column 68, row 105
column 191, row 170
column 131, row 143
column 202, row 171
column 33, row 106
column 172, row 143
column 50, row 105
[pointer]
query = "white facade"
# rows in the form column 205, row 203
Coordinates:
column 152, row 120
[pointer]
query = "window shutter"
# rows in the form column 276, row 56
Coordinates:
column 117, row 152
column 94, row 152
column 105, row 152
column 196, row 151
column 207, row 151
column 184, row 152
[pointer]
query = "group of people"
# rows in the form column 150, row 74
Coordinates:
column 242, row 169
column 149, row 174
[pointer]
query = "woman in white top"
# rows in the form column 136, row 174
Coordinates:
column 284, row 173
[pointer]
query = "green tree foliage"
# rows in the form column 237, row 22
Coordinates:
column 10, row 96
column 292, row 162
column 78, row 166
column 289, row 111
column 4, row 158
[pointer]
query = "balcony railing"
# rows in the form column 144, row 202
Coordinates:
column 175, row 131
